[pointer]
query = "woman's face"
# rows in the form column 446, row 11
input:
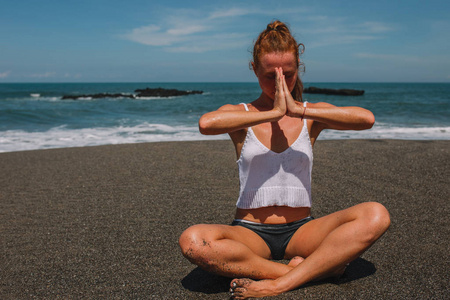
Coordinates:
column 266, row 71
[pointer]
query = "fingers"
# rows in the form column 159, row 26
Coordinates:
column 287, row 92
column 292, row 108
column 284, row 85
column 280, row 101
column 279, row 80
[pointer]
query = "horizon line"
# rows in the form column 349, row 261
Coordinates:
column 175, row 82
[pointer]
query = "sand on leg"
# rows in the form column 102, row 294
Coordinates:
column 231, row 251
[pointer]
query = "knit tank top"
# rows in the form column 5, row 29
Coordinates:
column 268, row 178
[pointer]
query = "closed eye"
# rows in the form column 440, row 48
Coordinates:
column 270, row 75
column 289, row 75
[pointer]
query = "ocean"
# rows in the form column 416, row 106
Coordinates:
column 33, row 115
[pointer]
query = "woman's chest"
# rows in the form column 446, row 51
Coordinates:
column 278, row 136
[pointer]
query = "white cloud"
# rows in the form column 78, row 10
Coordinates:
column 197, row 31
column 152, row 35
column 326, row 31
column 182, row 32
column 186, row 30
column 340, row 39
column 68, row 75
column 238, row 12
column 232, row 12
column 375, row 27
column 4, row 74
column 54, row 75
column 213, row 42
column 439, row 61
column 389, row 57
column 43, row 75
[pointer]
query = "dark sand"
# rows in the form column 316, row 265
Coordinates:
column 104, row 222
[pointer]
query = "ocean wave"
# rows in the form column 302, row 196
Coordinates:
column 156, row 98
column 61, row 137
column 33, row 97
column 386, row 131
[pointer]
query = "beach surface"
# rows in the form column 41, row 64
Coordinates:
column 103, row 222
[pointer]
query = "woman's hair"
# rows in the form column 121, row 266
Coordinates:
column 278, row 38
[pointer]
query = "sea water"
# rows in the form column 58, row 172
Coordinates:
column 33, row 115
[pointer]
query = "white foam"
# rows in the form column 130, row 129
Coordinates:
column 39, row 98
column 156, row 98
column 61, row 137
column 384, row 131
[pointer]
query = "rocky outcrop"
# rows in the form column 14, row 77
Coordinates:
column 97, row 96
column 340, row 92
column 148, row 92
column 160, row 92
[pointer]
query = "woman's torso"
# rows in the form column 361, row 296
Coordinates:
column 278, row 137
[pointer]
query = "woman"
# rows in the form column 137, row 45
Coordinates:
column 273, row 137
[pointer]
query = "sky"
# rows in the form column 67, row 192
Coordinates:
column 211, row 41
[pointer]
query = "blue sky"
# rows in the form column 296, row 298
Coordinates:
column 207, row 41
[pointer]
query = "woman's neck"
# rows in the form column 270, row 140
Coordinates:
column 263, row 103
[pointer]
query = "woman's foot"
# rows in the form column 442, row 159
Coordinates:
column 295, row 261
column 340, row 272
column 335, row 275
column 246, row 288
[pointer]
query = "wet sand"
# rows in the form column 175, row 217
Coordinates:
column 104, row 222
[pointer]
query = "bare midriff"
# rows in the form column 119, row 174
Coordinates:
column 273, row 214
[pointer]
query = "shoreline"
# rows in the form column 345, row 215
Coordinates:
column 103, row 221
column 225, row 137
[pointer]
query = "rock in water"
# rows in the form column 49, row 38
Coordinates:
column 160, row 92
column 341, row 92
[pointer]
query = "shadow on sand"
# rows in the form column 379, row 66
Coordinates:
column 201, row 281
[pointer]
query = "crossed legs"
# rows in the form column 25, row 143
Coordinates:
column 328, row 244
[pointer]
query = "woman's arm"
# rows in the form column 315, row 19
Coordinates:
column 330, row 116
column 339, row 118
column 230, row 118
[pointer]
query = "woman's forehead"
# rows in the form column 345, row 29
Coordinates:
column 278, row 59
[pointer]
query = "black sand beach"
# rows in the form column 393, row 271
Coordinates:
column 103, row 222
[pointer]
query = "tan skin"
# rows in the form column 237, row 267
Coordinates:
column 319, row 249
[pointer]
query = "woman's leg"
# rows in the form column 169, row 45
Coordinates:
column 328, row 245
column 231, row 251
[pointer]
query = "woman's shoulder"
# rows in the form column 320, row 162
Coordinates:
column 232, row 107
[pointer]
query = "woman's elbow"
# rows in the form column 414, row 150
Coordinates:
column 205, row 125
column 369, row 120
column 365, row 120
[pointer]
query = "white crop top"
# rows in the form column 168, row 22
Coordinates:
column 268, row 178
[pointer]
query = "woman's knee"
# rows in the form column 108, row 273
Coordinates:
column 376, row 220
column 193, row 242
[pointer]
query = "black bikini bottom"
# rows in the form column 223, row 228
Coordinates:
column 276, row 236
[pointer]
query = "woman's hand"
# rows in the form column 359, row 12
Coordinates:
column 292, row 109
column 279, row 103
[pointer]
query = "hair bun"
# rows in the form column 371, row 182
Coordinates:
column 272, row 27
column 277, row 26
